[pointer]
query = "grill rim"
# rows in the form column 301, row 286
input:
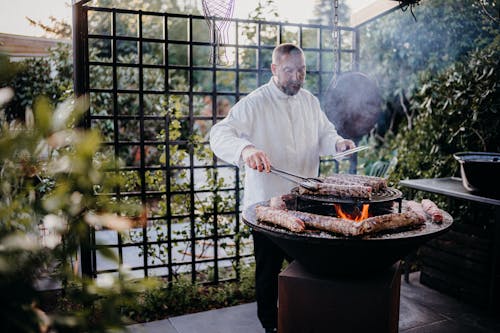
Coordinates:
column 336, row 255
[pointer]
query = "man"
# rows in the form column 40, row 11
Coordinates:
column 279, row 124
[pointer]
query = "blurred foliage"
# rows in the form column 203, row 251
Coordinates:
column 48, row 174
column 457, row 110
column 395, row 47
column 324, row 12
column 50, row 77
column 184, row 297
column 56, row 28
column 398, row 52
column 94, row 305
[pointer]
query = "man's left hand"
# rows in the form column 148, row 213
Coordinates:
column 344, row 144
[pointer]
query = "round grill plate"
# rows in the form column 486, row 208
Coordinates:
column 388, row 194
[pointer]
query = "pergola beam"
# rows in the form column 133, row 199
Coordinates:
column 80, row 2
column 372, row 11
column 18, row 46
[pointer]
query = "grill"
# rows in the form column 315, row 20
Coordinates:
column 380, row 203
column 327, row 253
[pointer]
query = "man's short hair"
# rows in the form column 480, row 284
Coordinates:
column 286, row 48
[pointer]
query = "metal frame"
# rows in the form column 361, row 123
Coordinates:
column 83, row 86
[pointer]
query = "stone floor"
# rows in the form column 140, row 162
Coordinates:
column 422, row 310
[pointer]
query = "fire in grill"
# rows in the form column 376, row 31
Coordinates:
column 337, row 253
column 381, row 202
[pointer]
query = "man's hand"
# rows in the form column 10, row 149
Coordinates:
column 256, row 159
column 344, row 144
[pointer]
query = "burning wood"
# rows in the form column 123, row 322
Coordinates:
column 359, row 216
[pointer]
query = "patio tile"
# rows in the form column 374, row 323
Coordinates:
column 240, row 318
column 159, row 326
column 422, row 310
column 413, row 314
column 447, row 326
column 432, row 299
column 448, row 307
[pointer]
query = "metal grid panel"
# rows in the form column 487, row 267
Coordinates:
column 147, row 81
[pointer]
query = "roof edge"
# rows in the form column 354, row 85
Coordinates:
column 372, row 12
column 79, row 2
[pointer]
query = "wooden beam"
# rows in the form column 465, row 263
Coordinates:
column 27, row 46
column 372, row 11
column 80, row 2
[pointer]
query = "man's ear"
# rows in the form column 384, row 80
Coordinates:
column 273, row 69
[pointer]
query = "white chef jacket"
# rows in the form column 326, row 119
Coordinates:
column 292, row 130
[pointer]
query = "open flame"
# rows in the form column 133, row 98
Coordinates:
column 355, row 216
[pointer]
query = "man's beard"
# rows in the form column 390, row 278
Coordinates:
column 291, row 88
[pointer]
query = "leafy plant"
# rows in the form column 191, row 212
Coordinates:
column 457, row 110
column 395, row 49
column 49, row 173
column 182, row 297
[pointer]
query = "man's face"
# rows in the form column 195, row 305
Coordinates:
column 290, row 73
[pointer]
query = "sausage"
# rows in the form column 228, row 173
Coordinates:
column 432, row 210
column 343, row 191
column 416, row 208
column 279, row 217
column 329, row 223
column 376, row 183
column 277, row 202
column 284, row 201
column 391, row 221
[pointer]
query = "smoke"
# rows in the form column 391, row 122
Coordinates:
column 396, row 49
column 353, row 103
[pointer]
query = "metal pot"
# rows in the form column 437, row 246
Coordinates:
column 480, row 171
column 353, row 103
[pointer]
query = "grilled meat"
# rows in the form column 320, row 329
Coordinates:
column 279, row 217
column 432, row 210
column 337, row 190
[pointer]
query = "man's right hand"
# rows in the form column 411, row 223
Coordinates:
column 256, row 159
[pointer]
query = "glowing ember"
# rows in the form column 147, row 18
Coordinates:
column 356, row 216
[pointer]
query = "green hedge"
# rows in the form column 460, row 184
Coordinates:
column 457, row 110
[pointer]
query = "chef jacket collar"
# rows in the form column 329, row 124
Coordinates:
column 280, row 94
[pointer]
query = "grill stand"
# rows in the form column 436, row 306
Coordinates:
column 358, row 303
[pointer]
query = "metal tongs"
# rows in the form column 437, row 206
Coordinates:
column 309, row 183
column 349, row 152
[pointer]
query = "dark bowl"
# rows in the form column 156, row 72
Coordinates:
column 480, row 171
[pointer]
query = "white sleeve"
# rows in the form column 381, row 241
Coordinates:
column 231, row 135
column 328, row 135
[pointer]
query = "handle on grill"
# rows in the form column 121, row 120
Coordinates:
column 305, row 183
column 349, row 152
column 306, row 179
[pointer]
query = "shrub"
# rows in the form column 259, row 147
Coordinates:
column 457, row 110
column 49, row 171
